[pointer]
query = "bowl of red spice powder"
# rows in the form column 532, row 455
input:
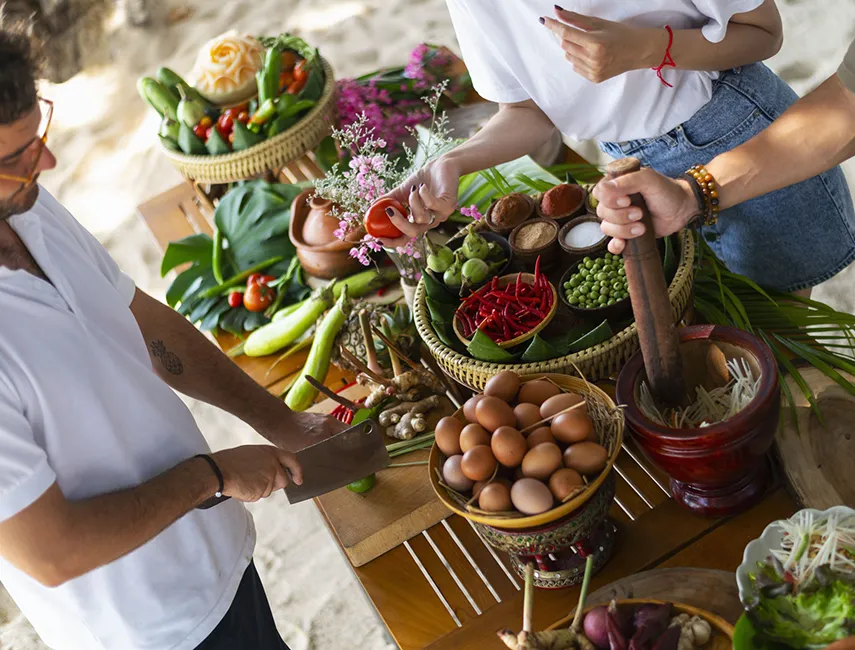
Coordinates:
column 562, row 202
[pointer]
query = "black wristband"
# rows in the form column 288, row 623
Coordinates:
column 701, row 216
column 217, row 471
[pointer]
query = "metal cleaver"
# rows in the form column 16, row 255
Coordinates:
column 330, row 464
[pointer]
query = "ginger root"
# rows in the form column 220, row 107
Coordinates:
column 550, row 640
column 406, row 420
column 409, row 386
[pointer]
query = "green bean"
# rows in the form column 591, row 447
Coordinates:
column 217, row 256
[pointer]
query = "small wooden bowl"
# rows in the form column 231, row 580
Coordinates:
column 578, row 253
column 548, row 253
column 504, row 281
column 616, row 312
column 501, row 230
column 326, row 261
column 578, row 207
column 722, row 631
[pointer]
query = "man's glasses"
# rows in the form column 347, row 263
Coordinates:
column 32, row 151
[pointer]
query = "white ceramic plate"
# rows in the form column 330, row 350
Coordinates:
column 759, row 549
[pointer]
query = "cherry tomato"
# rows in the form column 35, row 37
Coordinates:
column 206, row 121
column 285, row 79
column 377, row 222
column 300, row 71
column 258, row 297
column 295, row 87
column 253, row 279
column 266, row 279
column 235, row 299
column 201, row 131
column 236, row 110
column 243, row 117
column 232, row 137
column 225, row 123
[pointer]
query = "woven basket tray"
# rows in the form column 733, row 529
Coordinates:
column 269, row 155
column 609, row 425
column 597, row 362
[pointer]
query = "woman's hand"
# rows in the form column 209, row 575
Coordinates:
column 672, row 204
column 601, row 49
column 431, row 194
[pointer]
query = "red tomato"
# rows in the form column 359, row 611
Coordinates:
column 377, row 222
column 258, row 297
column 235, row 299
column 206, row 121
column 243, row 117
column 236, row 110
column 266, row 279
column 201, row 131
column 225, row 123
column 300, row 71
column 253, row 279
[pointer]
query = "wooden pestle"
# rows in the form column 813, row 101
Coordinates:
column 648, row 293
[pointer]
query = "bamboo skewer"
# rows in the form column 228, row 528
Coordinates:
column 534, row 426
column 335, row 397
column 528, row 598
column 347, row 354
column 394, row 349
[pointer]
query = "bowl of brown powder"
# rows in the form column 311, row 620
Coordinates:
column 535, row 238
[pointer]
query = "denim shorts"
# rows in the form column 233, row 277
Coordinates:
column 790, row 239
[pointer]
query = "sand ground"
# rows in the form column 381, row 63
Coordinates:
column 103, row 136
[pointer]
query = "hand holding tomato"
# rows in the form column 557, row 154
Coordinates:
column 378, row 222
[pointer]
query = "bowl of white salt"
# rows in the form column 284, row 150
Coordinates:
column 582, row 237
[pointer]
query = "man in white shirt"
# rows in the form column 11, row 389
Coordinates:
column 102, row 467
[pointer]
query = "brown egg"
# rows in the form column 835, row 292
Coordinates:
column 586, row 457
column 504, row 385
column 454, row 476
column 558, row 403
column 527, row 414
column 564, row 481
column 508, row 446
column 469, row 408
column 478, row 463
column 531, row 497
column 537, row 392
column 473, row 435
column 573, row 426
column 495, row 497
column 447, row 435
column 541, row 461
column 493, row 413
column 479, row 485
column 538, row 436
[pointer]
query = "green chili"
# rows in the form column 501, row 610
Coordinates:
column 217, row 256
column 240, row 277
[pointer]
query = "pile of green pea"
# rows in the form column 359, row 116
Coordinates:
column 597, row 283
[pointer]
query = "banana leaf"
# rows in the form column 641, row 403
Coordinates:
column 477, row 189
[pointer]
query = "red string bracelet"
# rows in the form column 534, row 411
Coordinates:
column 667, row 59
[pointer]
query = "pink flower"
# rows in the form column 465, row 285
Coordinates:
column 472, row 212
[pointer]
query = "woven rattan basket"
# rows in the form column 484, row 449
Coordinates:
column 597, row 362
column 609, row 426
column 270, row 155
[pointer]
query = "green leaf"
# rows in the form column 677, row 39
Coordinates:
column 437, row 291
column 534, row 184
column 314, row 87
column 441, row 313
column 445, row 333
column 182, row 282
column 216, row 145
column 475, row 189
column 244, row 138
column 232, row 321
column 601, row 333
column 539, row 350
column 202, row 308
column 210, row 322
column 564, row 342
column 190, row 142
column 326, row 155
column 483, row 348
column 195, row 248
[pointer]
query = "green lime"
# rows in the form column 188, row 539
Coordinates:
column 363, row 484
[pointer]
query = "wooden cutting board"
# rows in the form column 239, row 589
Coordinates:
column 816, row 458
column 400, row 506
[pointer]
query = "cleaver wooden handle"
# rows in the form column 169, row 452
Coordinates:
column 648, row 292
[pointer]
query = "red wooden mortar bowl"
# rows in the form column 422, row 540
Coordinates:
column 722, row 469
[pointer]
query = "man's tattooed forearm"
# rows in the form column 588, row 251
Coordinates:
column 170, row 361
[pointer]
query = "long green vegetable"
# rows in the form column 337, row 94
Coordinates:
column 217, row 256
column 276, row 335
column 302, row 394
column 239, row 278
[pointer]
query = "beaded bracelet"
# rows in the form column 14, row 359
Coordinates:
column 705, row 189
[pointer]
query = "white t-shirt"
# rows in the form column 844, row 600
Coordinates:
column 511, row 58
column 81, row 406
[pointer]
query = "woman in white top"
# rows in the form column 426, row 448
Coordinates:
column 589, row 73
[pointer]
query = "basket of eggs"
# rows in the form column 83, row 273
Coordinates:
column 252, row 106
column 529, row 463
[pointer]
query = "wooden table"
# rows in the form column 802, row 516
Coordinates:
column 445, row 588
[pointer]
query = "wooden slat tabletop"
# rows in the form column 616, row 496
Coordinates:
column 445, row 588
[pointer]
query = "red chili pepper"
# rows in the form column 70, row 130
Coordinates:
column 518, row 284
column 506, row 330
column 537, row 269
column 466, row 320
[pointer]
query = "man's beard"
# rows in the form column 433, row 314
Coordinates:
column 21, row 201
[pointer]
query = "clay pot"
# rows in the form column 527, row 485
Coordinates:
column 722, row 469
column 310, row 222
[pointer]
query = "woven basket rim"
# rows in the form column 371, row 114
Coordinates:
column 683, row 277
column 270, row 143
column 568, row 382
